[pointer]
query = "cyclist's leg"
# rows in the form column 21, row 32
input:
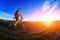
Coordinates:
column 17, row 21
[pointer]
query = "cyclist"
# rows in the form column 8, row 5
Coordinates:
column 18, row 17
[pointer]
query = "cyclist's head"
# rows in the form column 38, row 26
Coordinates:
column 19, row 9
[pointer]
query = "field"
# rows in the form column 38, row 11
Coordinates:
column 36, row 30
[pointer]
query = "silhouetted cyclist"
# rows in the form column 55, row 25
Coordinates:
column 18, row 17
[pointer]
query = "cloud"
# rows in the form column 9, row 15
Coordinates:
column 4, row 15
column 46, row 6
column 48, row 10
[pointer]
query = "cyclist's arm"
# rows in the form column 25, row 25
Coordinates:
column 21, row 16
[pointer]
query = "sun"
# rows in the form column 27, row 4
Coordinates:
column 48, row 18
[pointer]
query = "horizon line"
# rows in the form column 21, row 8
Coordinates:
column 28, row 20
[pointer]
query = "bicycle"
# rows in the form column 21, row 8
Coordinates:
column 22, row 26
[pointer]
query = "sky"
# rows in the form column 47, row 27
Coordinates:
column 30, row 9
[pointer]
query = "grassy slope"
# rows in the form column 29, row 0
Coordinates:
column 8, row 32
